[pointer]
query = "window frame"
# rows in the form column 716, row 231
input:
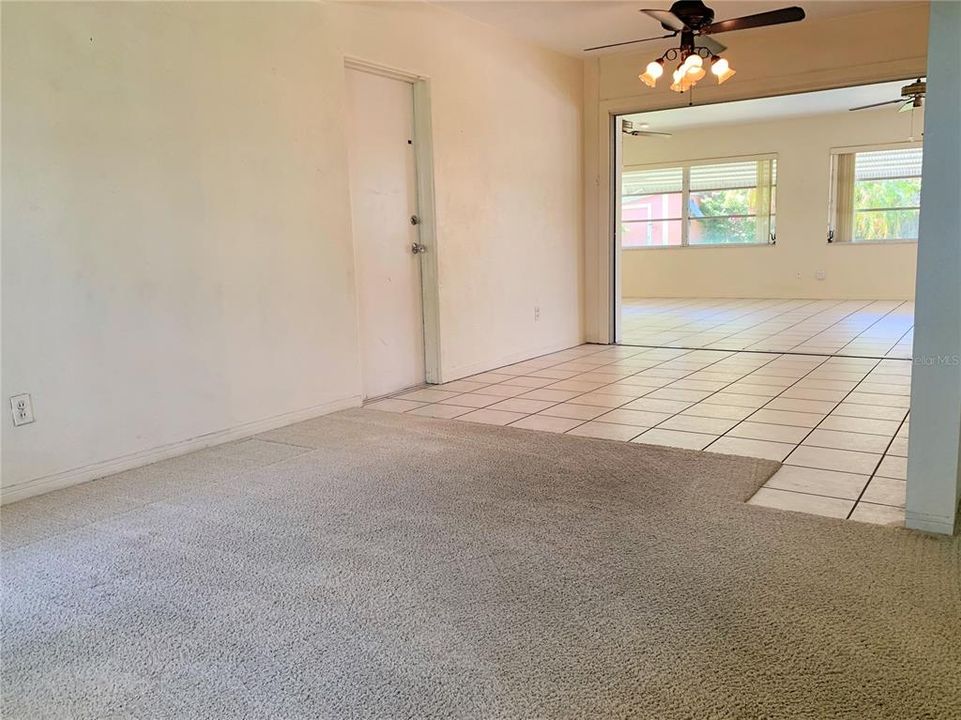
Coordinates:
column 682, row 218
column 835, row 153
column 685, row 218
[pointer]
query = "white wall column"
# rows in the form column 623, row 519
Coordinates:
column 934, row 454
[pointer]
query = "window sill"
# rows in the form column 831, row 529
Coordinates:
column 698, row 247
column 873, row 242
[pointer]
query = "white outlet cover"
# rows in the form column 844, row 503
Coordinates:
column 21, row 407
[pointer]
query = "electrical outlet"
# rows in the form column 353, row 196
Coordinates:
column 820, row 274
column 537, row 313
column 22, row 408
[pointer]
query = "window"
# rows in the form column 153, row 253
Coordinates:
column 699, row 203
column 651, row 207
column 877, row 195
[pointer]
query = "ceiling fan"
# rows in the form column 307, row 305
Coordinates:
column 697, row 19
column 628, row 127
column 912, row 96
column 694, row 22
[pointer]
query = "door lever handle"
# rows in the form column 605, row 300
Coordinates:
column 417, row 248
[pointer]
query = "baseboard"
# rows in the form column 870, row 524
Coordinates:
column 940, row 524
column 462, row 371
column 769, row 296
column 57, row 481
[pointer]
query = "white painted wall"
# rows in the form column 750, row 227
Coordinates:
column 788, row 269
column 177, row 260
column 810, row 55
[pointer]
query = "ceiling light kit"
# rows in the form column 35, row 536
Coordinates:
column 694, row 22
column 689, row 70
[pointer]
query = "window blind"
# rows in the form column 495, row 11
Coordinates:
column 729, row 176
column 651, row 182
column 888, row 164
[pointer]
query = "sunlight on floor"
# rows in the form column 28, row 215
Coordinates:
column 873, row 328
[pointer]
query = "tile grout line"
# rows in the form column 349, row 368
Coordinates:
column 771, row 399
column 828, row 414
column 728, row 354
column 767, row 352
column 619, row 407
column 804, row 320
column 901, row 338
column 836, row 323
column 555, row 381
column 876, row 467
column 880, row 319
column 724, row 309
column 880, row 459
column 671, row 416
column 793, row 348
column 758, row 324
column 713, row 314
column 715, row 392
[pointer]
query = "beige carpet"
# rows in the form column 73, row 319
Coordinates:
column 372, row 565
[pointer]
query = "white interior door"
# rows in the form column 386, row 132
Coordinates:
column 383, row 192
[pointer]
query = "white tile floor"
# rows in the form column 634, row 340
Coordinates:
column 839, row 424
column 872, row 328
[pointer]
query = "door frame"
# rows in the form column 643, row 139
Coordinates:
column 427, row 228
column 603, row 143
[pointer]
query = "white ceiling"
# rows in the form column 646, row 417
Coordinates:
column 569, row 27
column 760, row 109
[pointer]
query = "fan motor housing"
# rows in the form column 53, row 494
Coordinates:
column 915, row 88
column 694, row 13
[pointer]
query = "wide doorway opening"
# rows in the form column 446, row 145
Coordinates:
column 773, row 241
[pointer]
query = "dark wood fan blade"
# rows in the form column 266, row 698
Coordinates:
column 630, row 42
column 773, row 17
column 667, row 19
column 873, row 105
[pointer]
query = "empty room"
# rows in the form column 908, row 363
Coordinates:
column 480, row 359
column 780, row 235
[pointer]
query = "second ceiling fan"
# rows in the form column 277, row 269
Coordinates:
column 912, row 97
column 694, row 22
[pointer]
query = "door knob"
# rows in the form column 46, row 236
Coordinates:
column 414, row 220
column 417, row 248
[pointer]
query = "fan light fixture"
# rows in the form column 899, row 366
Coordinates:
column 722, row 69
column 694, row 22
column 690, row 70
column 654, row 70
